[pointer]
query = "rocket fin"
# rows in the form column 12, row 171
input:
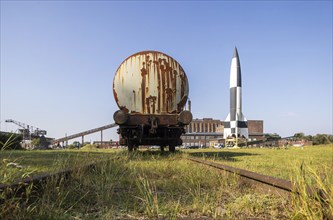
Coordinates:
column 227, row 127
column 241, row 117
column 228, row 117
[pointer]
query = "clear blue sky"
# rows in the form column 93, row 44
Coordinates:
column 58, row 59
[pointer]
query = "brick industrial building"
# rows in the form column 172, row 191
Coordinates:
column 207, row 131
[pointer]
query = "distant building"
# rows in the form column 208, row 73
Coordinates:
column 106, row 144
column 256, row 129
column 203, row 125
column 201, row 132
column 207, row 131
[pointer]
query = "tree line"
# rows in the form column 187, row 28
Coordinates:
column 316, row 140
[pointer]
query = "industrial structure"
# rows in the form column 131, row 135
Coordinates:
column 27, row 131
column 64, row 140
column 207, row 131
column 151, row 90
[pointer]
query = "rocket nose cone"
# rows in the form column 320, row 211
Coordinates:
column 235, row 53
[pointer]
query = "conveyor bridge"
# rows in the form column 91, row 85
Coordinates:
column 82, row 134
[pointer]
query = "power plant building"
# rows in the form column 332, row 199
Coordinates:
column 205, row 131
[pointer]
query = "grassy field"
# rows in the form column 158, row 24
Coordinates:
column 29, row 163
column 154, row 185
column 282, row 163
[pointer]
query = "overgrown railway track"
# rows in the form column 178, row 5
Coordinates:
column 267, row 183
column 18, row 188
column 263, row 182
column 270, row 183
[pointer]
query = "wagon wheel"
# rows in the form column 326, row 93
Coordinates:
column 130, row 146
column 172, row 148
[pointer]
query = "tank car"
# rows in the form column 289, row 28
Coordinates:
column 151, row 90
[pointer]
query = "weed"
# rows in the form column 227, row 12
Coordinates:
column 314, row 193
column 11, row 141
column 148, row 195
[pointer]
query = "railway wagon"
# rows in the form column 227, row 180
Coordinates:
column 151, row 91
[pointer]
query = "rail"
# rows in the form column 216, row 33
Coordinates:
column 268, row 180
column 19, row 187
column 280, row 185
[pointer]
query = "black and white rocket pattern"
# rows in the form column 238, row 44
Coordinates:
column 235, row 124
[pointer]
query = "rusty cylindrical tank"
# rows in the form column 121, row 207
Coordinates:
column 151, row 90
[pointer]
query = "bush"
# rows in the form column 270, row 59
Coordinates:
column 322, row 139
column 71, row 146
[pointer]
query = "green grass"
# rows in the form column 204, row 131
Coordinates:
column 147, row 185
column 151, row 185
column 273, row 162
column 41, row 161
column 309, row 169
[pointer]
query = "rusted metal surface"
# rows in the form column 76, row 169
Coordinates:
column 151, row 90
column 268, row 180
column 150, row 82
column 185, row 117
column 145, row 119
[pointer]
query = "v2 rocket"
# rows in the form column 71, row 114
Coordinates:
column 235, row 124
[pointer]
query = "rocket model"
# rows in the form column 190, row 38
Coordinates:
column 235, row 125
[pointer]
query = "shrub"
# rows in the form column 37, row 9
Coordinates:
column 322, row 139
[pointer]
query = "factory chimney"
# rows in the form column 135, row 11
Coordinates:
column 189, row 104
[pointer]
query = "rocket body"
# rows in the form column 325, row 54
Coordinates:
column 235, row 124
